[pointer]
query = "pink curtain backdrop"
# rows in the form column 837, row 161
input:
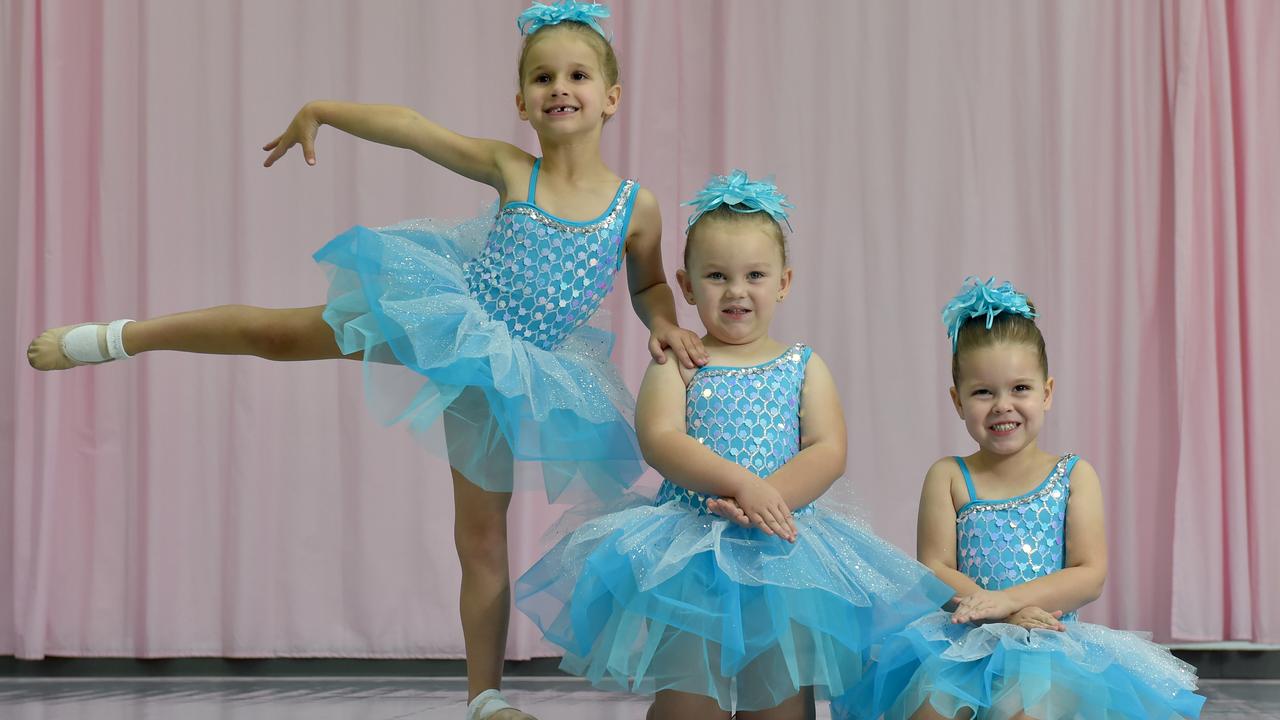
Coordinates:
column 1118, row 161
column 1224, row 98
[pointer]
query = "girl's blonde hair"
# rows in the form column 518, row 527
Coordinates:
column 727, row 214
column 603, row 48
column 1006, row 328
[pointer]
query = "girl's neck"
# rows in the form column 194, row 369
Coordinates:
column 1029, row 461
column 574, row 163
column 762, row 349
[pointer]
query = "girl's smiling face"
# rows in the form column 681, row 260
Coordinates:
column 1002, row 396
column 563, row 87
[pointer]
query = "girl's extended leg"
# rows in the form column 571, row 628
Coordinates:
column 480, row 535
column 676, row 705
column 274, row 334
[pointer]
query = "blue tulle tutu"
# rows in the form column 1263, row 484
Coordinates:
column 661, row 597
column 997, row 670
column 444, row 317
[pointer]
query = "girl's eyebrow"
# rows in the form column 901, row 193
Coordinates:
column 1015, row 381
column 754, row 265
column 572, row 64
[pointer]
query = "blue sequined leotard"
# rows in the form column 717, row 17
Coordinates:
column 544, row 277
column 746, row 415
column 1002, row 543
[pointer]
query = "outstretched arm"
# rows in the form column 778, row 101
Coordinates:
column 651, row 296
column 660, row 428
column 821, row 460
column 479, row 159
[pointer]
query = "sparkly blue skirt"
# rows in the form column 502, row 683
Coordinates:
column 997, row 670
column 434, row 359
column 663, row 598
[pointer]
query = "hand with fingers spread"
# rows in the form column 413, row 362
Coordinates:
column 686, row 345
column 729, row 509
column 301, row 131
column 1034, row 618
column 984, row 605
column 765, row 508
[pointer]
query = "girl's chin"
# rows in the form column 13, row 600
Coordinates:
column 1004, row 448
column 734, row 338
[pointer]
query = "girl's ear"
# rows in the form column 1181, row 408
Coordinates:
column 520, row 108
column 955, row 400
column 1048, row 393
column 686, row 285
column 612, row 97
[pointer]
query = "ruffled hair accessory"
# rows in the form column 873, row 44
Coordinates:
column 740, row 194
column 540, row 15
column 977, row 299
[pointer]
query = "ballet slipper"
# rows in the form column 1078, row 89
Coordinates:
column 488, row 704
column 75, row 345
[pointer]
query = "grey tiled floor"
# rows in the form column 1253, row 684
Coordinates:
column 397, row 699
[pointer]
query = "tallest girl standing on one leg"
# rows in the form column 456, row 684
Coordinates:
column 491, row 316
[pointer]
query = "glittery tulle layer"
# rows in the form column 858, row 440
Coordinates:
column 997, row 670
column 434, row 357
column 660, row 597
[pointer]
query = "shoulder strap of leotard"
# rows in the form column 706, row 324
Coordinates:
column 533, row 181
column 968, row 481
column 633, row 189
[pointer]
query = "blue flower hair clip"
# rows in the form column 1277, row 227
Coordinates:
column 540, row 15
column 977, row 299
column 740, row 194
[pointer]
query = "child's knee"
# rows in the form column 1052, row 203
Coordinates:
column 271, row 334
column 481, row 540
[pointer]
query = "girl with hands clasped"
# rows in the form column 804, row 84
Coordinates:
column 1019, row 534
column 710, row 616
column 479, row 327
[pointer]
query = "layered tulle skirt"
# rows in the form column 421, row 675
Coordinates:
column 997, row 670
column 663, row 598
column 433, row 357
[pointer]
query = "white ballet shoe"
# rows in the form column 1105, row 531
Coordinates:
column 74, row 345
column 488, row 704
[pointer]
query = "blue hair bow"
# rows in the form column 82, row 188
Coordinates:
column 540, row 15
column 740, row 194
column 979, row 298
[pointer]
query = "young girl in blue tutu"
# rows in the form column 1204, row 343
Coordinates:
column 1018, row 532
column 489, row 317
column 760, row 614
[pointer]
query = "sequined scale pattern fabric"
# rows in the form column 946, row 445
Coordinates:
column 748, row 415
column 544, row 277
column 1010, row 542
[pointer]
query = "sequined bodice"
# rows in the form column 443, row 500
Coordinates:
column 544, row 277
column 1002, row 543
column 748, row 415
